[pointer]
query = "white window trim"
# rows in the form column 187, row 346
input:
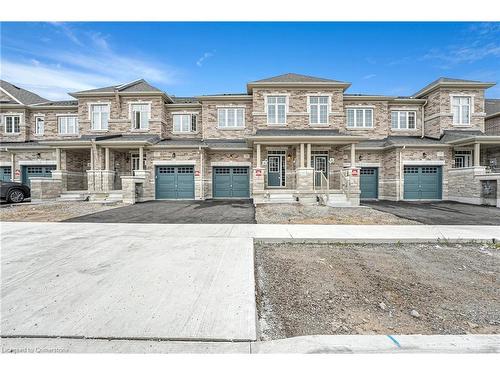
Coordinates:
column 132, row 128
column 77, row 127
column 328, row 111
column 399, row 128
column 186, row 113
column 364, row 108
column 471, row 108
column 10, row 114
column 90, row 115
column 287, row 103
column 36, row 128
column 232, row 108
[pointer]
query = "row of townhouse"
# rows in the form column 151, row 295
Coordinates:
column 287, row 138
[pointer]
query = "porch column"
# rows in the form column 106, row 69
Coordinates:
column 91, row 159
column 12, row 166
column 58, row 159
column 477, row 154
column 106, row 158
column 141, row 158
column 308, row 155
column 258, row 156
column 353, row 155
column 301, row 155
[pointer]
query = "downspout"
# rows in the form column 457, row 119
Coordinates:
column 400, row 169
column 202, row 176
column 423, row 118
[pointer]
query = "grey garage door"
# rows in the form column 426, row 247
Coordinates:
column 30, row 171
column 369, row 183
column 175, row 182
column 231, row 182
column 422, row 182
column 5, row 173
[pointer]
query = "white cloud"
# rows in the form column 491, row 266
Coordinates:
column 52, row 72
column 202, row 59
column 369, row 76
column 68, row 32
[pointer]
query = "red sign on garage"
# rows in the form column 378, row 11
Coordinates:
column 258, row 172
column 196, row 173
column 355, row 172
column 18, row 173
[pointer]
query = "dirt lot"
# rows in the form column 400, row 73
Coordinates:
column 308, row 289
column 299, row 214
column 51, row 211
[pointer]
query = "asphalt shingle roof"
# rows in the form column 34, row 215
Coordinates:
column 492, row 106
column 137, row 86
column 24, row 96
column 295, row 78
column 444, row 80
column 296, row 132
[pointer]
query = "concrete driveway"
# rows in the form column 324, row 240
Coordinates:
column 440, row 213
column 177, row 212
column 125, row 281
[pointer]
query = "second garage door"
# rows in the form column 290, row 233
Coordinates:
column 369, row 183
column 175, row 182
column 422, row 182
column 30, row 171
column 231, row 182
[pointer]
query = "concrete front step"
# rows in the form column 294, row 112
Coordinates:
column 338, row 200
column 74, row 196
column 281, row 198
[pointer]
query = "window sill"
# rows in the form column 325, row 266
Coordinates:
column 366, row 128
column 232, row 128
column 100, row 130
column 68, row 135
column 12, row 133
column 403, row 130
column 139, row 130
column 184, row 132
column 319, row 125
column 462, row 125
column 281, row 125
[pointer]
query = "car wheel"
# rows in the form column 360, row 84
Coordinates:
column 15, row 196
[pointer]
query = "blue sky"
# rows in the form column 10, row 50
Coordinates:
column 207, row 58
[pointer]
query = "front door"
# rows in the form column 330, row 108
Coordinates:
column 320, row 164
column 274, row 171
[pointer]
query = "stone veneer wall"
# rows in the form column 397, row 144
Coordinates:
column 492, row 126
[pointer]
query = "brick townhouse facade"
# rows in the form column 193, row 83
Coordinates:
column 289, row 138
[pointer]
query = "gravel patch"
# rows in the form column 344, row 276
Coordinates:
column 328, row 289
column 300, row 214
column 52, row 211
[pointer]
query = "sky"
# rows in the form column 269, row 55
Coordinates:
column 188, row 59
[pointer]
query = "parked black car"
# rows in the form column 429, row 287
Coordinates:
column 14, row 192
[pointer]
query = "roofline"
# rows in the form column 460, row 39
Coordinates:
column 344, row 85
column 394, row 99
column 286, row 139
column 158, row 145
column 452, row 84
column 483, row 139
column 399, row 145
column 129, row 83
column 492, row 115
column 225, row 97
column 182, row 105
column 10, row 95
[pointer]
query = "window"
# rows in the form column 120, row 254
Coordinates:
column 276, row 110
column 67, row 124
column 463, row 158
column 359, row 118
column 12, row 124
column 185, row 123
column 403, row 119
column 231, row 117
column 318, row 110
column 39, row 125
column 99, row 115
column 140, row 114
column 461, row 110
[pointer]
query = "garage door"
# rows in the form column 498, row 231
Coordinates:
column 231, row 182
column 175, row 182
column 422, row 182
column 369, row 183
column 5, row 173
column 30, row 171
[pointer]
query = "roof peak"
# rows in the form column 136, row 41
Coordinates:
column 20, row 95
column 295, row 78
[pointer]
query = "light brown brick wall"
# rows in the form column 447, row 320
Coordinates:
column 492, row 126
column 211, row 129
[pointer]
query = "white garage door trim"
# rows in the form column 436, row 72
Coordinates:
column 423, row 162
column 37, row 162
column 174, row 162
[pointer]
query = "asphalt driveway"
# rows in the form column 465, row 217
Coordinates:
column 440, row 213
column 177, row 212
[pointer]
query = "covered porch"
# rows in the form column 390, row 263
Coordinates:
column 305, row 167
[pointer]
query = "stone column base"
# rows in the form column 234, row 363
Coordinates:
column 44, row 188
column 132, row 189
column 305, row 179
column 62, row 176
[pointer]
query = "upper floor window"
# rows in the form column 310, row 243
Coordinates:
column 67, row 124
column 13, row 124
column 461, row 110
column 318, row 110
column 360, row 118
column 99, row 116
column 231, row 117
column 276, row 110
column 403, row 119
column 185, row 123
column 39, row 125
column 140, row 116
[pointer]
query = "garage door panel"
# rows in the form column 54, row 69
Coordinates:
column 30, row 171
column 422, row 182
column 5, row 174
column 231, row 182
column 175, row 182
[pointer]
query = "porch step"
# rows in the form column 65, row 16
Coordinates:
column 115, row 196
column 74, row 196
column 338, row 200
column 281, row 198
